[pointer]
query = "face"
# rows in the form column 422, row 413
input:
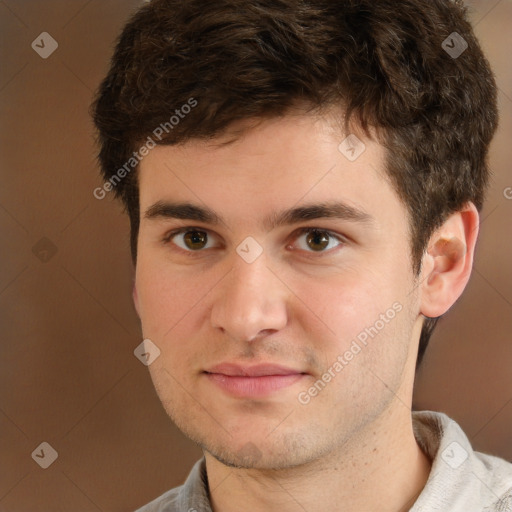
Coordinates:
column 327, row 294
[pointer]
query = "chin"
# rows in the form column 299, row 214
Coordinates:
column 262, row 454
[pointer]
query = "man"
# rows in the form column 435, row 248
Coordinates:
column 304, row 181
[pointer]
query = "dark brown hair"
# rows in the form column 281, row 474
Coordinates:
column 394, row 65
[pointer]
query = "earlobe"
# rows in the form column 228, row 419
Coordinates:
column 448, row 261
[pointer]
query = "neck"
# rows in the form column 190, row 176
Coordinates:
column 382, row 469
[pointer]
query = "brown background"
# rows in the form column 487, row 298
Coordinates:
column 68, row 375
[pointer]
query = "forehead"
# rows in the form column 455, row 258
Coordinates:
column 276, row 164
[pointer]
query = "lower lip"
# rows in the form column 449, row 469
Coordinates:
column 250, row 387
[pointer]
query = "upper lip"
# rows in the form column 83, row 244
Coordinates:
column 259, row 370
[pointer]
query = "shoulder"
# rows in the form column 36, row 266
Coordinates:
column 192, row 496
column 496, row 475
column 167, row 502
column 461, row 478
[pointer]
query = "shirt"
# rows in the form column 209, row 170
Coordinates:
column 460, row 480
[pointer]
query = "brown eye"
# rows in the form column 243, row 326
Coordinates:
column 318, row 240
column 195, row 239
column 189, row 240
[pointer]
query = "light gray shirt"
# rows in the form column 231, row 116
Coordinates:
column 461, row 479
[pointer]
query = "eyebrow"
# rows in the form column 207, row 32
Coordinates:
column 326, row 210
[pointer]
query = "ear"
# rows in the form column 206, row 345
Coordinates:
column 448, row 261
column 136, row 299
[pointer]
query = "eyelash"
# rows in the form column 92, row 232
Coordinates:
column 300, row 231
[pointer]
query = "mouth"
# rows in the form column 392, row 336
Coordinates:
column 252, row 381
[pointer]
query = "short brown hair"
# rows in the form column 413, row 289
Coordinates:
column 387, row 62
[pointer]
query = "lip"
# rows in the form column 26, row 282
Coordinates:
column 259, row 370
column 252, row 381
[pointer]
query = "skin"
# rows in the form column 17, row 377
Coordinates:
column 352, row 446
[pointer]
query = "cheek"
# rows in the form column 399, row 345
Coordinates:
column 360, row 315
column 366, row 349
column 165, row 296
column 348, row 303
column 172, row 312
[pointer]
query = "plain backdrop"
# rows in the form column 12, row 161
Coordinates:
column 68, row 375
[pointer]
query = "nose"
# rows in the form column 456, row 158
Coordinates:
column 251, row 301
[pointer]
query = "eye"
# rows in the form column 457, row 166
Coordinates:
column 193, row 239
column 319, row 240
